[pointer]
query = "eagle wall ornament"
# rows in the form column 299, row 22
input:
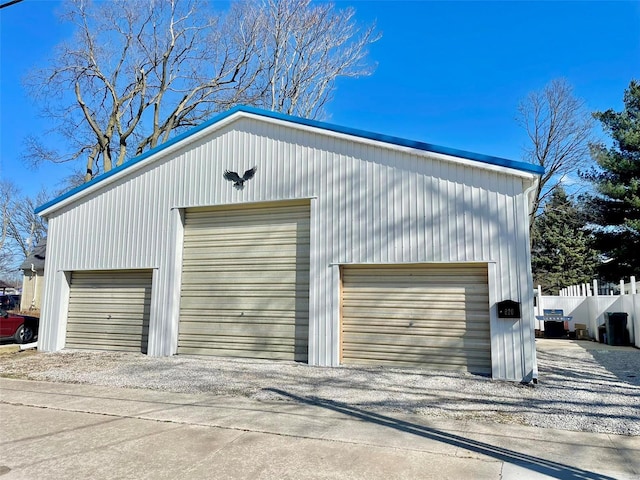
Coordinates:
column 238, row 181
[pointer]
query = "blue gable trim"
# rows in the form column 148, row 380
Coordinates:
column 428, row 147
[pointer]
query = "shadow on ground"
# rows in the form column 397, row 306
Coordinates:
column 535, row 464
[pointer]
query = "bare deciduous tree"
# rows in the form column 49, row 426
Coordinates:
column 559, row 128
column 8, row 193
column 303, row 49
column 21, row 228
column 138, row 71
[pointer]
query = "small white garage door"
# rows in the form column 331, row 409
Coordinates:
column 245, row 282
column 109, row 310
column 434, row 316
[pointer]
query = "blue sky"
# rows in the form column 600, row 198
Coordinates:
column 449, row 73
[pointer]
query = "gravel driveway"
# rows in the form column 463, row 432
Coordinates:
column 592, row 390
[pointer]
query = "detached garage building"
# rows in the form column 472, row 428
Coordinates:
column 340, row 247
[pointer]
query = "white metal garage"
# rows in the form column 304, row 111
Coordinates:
column 245, row 282
column 429, row 315
column 109, row 310
column 233, row 276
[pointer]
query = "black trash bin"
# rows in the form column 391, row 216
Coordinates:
column 602, row 334
column 616, row 326
column 553, row 329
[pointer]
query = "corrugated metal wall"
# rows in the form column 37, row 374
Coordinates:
column 370, row 203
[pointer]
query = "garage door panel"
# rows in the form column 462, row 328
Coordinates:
column 283, row 348
column 445, row 297
column 405, row 310
column 229, row 341
column 119, row 343
column 122, row 290
column 109, row 310
column 245, row 282
column 111, row 329
column 419, row 330
column 249, row 305
column 105, row 278
column 259, row 276
column 209, row 315
column 109, row 307
column 273, row 217
column 104, row 310
column 279, row 258
column 107, row 322
column 104, row 338
column 458, row 352
column 265, row 352
column 418, row 340
column 441, row 314
column 390, row 275
column 437, row 362
column 406, row 317
column 223, row 289
column 236, row 250
column 417, row 315
column 246, row 329
column 231, row 235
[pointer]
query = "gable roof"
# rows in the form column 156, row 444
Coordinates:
column 37, row 257
column 354, row 132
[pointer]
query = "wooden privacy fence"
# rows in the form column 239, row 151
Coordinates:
column 580, row 303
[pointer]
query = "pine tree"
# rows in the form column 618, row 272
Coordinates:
column 561, row 253
column 615, row 208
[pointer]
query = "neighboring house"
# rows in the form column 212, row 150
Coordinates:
column 33, row 279
column 4, row 286
column 342, row 247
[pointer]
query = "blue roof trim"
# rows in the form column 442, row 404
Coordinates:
column 428, row 147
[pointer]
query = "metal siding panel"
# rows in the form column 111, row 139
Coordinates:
column 315, row 299
column 528, row 366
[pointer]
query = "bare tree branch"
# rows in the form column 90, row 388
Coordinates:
column 559, row 128
column 139, row 71
column 21, row 229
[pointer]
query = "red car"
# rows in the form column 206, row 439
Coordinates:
column 21, row 329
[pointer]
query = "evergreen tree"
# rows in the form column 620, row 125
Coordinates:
column 615, row 208
column 561, row 253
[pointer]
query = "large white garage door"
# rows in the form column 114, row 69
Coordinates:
column 109, row 310
column 245, row 282
column 434, row 316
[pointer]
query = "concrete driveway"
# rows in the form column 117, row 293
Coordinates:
column 66, row 431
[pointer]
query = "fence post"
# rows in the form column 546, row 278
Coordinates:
column 633, row 286
column 622, row 286
column 595, row 288
column 539, row 300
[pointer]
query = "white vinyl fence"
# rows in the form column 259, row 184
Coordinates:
column 590, row 309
